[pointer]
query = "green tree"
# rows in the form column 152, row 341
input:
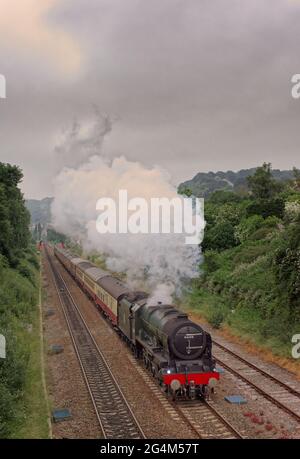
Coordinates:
column 230, row 212
column 185, row 191
column 266, row 207
column 262, row 185
column 14, row 217
column 296, row 173
column 55, row 236
column 219, row 237
column 287, row 264
column 247, row 227
column 224, row 196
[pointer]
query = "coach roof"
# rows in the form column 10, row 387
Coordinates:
column 113, row 286
column 84, row 265
column 96, row 273
column 77, row 260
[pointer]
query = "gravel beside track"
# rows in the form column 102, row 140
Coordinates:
column 275, row 392
column 65, row 384
column 114, row 415
column 158, row 416
column 154, row 417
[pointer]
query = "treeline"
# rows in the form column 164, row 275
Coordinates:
column 18, row 299
column 250, row 278
column 14, row 217
column 56, row 237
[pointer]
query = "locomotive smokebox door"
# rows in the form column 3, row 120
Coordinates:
column 188, row 341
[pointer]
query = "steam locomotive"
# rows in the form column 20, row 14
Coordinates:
column 177, row 351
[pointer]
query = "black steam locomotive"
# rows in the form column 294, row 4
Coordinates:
column 177, row 351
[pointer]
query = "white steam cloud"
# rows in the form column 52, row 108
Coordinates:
column 79, row 142
column 160, row 263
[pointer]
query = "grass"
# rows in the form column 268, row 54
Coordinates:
column 33, row 423
column 239, row 291
column 35, row 419
column 242, row 322
column 241, row 328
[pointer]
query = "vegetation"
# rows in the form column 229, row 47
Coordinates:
column 14, row 218
column 20, row 378
column 56, row 237
column 251, row 272
column 40, row 210
column 204, row 184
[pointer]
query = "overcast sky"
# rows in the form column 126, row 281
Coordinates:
column 193, row 85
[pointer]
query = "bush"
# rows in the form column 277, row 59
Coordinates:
column 286, row 263
column 7, row 408
column 26, row 270
column 230, row 213
column 216, row 318
column 256, row 274
column 268, row 227
column 292, row 210
column 32, row 258
column 18, row 298
column 272, row 221
column 266, row 207
column 219, row 237
column 247, row 227
column 210, row 261
column 224, row 196
column 14, row 217
column 261, row 233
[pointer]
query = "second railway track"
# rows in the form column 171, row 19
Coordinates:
column 207, row 420
column 115, row 417
column 285, row 397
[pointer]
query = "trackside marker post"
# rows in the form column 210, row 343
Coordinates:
column 2, row 347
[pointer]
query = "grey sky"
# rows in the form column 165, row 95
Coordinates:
column 195, row 85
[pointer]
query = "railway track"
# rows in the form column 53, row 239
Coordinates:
column 207, row 421
column 115, row 417
column 285, row 397
column 202, row 417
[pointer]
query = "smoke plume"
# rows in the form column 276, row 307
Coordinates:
column 159, row 263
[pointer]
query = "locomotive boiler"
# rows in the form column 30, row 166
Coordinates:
column 172, row 330
column 176, row 350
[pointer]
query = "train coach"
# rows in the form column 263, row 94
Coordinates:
column 177, row 351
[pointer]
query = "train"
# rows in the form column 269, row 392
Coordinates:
column 176, row 350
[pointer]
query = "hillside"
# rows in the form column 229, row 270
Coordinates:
column 203, row 184
column 40, row 210
column 250, row 278
column 22, row 402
